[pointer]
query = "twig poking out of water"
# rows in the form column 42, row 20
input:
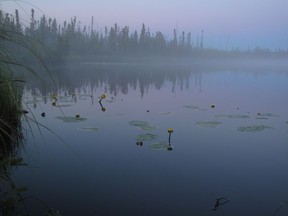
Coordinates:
column 278, row 209
column 103, row 96
column 220, row 201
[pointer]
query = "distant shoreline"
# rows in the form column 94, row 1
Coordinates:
column 199, row 63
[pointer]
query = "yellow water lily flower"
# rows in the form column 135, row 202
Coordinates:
column 103, row 96
column 53, row 96
column 170, row 130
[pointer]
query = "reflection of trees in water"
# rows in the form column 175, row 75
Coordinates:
column 118, row 78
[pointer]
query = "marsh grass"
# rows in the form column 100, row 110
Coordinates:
column 21, row 58
column 10, row 111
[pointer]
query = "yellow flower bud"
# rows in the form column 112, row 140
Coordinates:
column 170, row 130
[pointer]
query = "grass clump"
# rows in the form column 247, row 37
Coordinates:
column 10, row 111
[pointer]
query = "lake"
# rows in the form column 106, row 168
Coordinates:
column 114, row 156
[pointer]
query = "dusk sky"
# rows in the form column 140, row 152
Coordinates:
column 227, row 24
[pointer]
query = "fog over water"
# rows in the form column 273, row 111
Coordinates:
column 229, row 139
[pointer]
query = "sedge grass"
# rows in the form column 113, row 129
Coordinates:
column 18, row 55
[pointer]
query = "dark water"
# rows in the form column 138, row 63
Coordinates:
column 229, row 139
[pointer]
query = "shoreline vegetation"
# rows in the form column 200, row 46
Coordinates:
column 19, row 57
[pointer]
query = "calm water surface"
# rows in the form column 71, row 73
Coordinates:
column 236, row 149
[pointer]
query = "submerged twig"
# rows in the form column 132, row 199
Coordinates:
column 220, row 201
column 280, row 207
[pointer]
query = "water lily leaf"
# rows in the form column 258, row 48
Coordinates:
column 191, row 107
column 167, row 113
column 147, row 127
column 92, row 129
column 142, row 125
column 202, row 109
column 138, row 123
column 265, row 118
column 71, row 119
column 210, row 124
column 239, row 116
column 267, row 115
column 160, row 145
column 254, row 128
column 146, row 137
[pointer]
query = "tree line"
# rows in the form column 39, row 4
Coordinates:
column 74, row 39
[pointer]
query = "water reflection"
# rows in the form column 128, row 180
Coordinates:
column 103, row 96
column 115, row 79
column 208, row 160
column 170, row 131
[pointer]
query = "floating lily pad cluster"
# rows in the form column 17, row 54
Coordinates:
column 238, row 116
column 160, row 145
column 205, row 124
column 71, row 119
column 146, row 137
column 249, row 128
column 265, row 115
column 195, row 107
column 254, row 128
column 142, row 125
column 167, row 113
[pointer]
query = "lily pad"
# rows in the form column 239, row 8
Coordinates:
column 142, row 125
column 147, row 127
column 205, row 124
column 159, row 146
column 191, row 107
column 71, row 119
column 167, row 113
column 267, row 115
column 146, row 137
column 264, row 118
column 92, row 129
column 138, row 123
column 254, row 128
column 239, row 116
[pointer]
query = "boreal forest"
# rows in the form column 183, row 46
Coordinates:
column 72, row 38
